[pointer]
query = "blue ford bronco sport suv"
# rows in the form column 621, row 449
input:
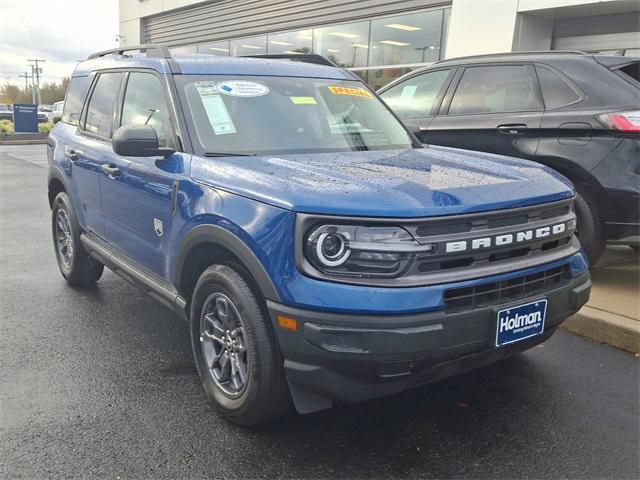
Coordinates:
column 317, row 250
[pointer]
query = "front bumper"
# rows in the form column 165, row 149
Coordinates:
column 351, row 358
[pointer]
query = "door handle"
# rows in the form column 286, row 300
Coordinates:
column 512, row 128
column 71, row 154
column 113, row 172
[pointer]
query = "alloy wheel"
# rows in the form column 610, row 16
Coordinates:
column 223, row 346
column 64, row 238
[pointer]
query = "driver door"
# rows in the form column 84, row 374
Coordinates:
column 137, row 194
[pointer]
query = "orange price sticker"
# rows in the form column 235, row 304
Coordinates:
column 354, row 92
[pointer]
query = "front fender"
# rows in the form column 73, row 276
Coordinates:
column 215, row 234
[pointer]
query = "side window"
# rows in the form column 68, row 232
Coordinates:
column 99, row 118
column 555, row 91
column 145, row 104
column 496, row 89
column 74, row 100
column 414, row 97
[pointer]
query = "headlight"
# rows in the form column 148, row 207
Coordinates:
column 354, row 250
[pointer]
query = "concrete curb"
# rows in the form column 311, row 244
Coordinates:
column 605, row 327
column 42, row 141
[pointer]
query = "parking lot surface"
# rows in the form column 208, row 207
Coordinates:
column 101, row 383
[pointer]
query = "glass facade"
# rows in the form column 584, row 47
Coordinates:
column 406, row 39
column 345, row 45
column 290, row 42
column 378, row 50
column 249, row 46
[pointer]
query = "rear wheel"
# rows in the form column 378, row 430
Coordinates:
column 590, row 230
column 235, row 349
column 75, row 264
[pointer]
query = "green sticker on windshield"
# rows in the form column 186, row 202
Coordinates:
column 304, row 100
column 215, row 108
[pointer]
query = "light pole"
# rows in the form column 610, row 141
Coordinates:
column 37, row 70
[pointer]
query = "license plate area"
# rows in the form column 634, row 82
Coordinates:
column 520, row 322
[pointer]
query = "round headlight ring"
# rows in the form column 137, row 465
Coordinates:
column 335, row 259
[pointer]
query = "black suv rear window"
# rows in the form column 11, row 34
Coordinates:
column 74, row 100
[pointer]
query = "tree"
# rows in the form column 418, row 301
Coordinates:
column 12, row 94
column 49, row 92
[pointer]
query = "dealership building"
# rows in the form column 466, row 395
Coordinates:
column 382, row 39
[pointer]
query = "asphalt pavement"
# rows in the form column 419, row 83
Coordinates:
column 101, row 383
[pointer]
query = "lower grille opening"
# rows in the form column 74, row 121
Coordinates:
column 457, row 299
column 521, row 252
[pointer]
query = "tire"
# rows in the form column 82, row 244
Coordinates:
column 225, row 305
column 590, row 230
column 76, row 266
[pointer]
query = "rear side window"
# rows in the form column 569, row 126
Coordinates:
column 555, row 91
column 99, row 118
column 496, row 89
column 415, row 97
column 145, row 104
column 631, row 71
column 74, row 100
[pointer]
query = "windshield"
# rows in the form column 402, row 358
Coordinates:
column 279, row 115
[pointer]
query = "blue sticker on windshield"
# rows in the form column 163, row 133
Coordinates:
column 242, row 88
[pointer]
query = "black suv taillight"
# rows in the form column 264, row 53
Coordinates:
column 625, row 122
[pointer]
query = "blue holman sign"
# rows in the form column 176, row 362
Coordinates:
column 25, row 118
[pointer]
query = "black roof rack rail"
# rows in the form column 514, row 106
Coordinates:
column 297, row 57
column 151, row 50
column 514, row 54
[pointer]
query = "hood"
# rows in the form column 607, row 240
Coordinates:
column 419, row 182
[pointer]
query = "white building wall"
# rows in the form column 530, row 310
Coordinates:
column 478, row 27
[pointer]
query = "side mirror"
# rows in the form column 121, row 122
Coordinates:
column 138, row 142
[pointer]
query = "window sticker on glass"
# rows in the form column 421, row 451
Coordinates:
column 354, row 92
column 304, row 100
column 408, row 91
column 242, row 88
column 215, row 108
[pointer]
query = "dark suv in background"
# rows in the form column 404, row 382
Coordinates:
column 574, row 112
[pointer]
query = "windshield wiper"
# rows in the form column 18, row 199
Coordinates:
column 228, row 154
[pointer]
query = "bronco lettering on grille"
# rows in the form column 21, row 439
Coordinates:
column 506, row 239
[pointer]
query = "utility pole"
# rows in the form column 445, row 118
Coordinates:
column 37, row 71
column 26, row 77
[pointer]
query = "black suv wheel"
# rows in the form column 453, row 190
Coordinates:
column 590, row 230
column 76, row 266
column 235, row 349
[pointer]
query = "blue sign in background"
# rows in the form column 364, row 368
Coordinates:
column 25, row 118
column 520, row 322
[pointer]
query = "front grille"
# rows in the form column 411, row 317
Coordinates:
column 440, row 231
column 457, row 299
column 489, row 220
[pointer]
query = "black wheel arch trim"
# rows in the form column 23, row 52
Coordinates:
column 56, row 174
column 214, row 234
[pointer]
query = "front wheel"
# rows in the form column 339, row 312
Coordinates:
column 75, row 264
column 235, row 349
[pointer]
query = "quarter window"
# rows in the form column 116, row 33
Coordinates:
column 75, row 100
column 496, row 89
column 144, row 104
column 555, row 91
column 101, row 107
column 415, row 97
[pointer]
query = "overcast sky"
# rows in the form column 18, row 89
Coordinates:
column 60, row 31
